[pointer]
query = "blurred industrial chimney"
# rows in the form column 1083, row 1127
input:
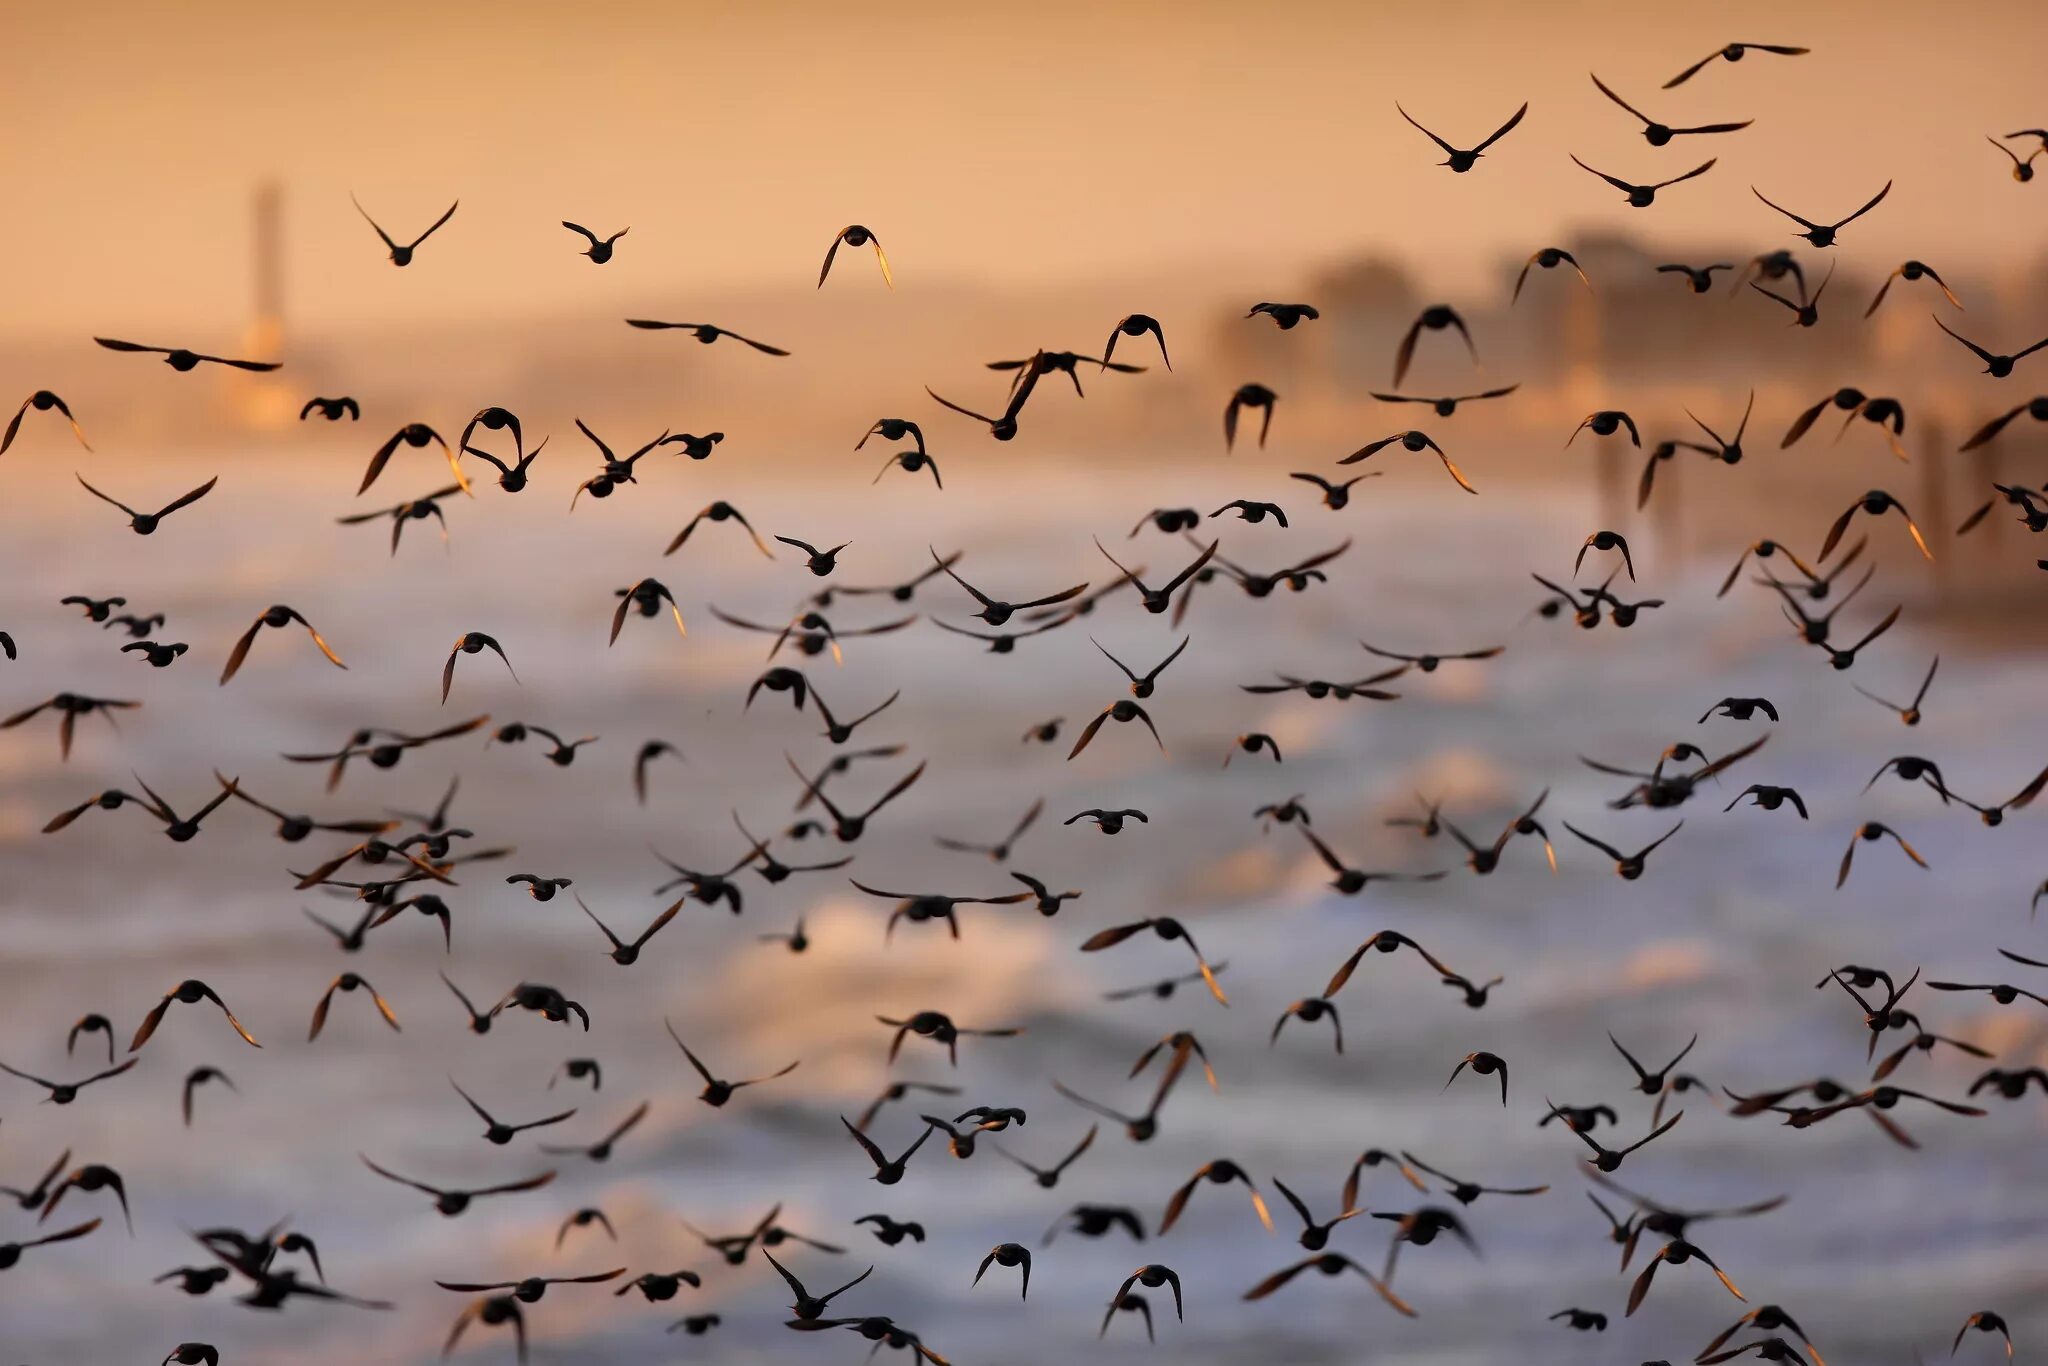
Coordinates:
column 263, row 400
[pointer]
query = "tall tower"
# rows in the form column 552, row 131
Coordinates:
column 266, row 332
column 263, row 400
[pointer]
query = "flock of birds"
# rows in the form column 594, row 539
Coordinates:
column 392, row 865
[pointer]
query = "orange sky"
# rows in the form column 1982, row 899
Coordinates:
column 1004, row 144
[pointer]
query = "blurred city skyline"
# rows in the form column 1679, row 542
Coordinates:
column 1139, row 150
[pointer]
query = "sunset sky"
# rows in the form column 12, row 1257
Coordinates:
column 1002, row 146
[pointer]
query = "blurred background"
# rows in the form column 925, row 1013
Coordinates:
column 181, row 176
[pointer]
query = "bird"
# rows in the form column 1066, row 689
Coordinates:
column 1548, row 258
column 1823, row 234
column 158, row 655
column 511, row 478
column 1765, row 1318
column 191, row 991
column 1254, row 512
column 332, row 409
column 196, row 1078
column 1136, row 325
column 939, row 1028
column 1349, row 881
column 1335, row 496
column 623, row 953
column 819, row 562
column 856, row 236
column 1485, row 859
column 807, row 1305
column 277, row 617
column 1996, row 366
column 1699, row 279
column 1741, row 709
column 1285, row 316
column 69, row 707
column 2022, row 171
column 2009, row 1084
column 1769, row 798
column 600, row 249
column 1805, row 310
column 1002, row 848
column 1422, row 1227
column 1447, row 406
column 848, row 827
column 472, row 642
column 2036, row 408
column 1984, row 1321
column 411, row 510
column 997, row 612
column 1871, row 832
column 1733, row 52
column 584, row 1218
column 492, row 1310
column 890, row 1232
column 658, row 1287
column 1411, row 441
column 911, row 462
column 894, row 429
column 1643, row 196
column 719, row 512
column 1249, row 396
column 1648, row 1082
column 348, row 982
column 1328, row 1264
column 580, row 1069
column 90, row 1178
column 1009, row 1254
column 43, row 401
column 1607, row 422
column 1677, row 1252
column 717, row 1091
column 402, row 253
column 1462, row 161
column 1151, row 1275
column 1153, row 600
column 1727, row 450
column 65, row 1092
column 1164, row 927
column 1627, row 865
column 601, row 1151
column 1875, row 504
column 1887, row 413
column 1658, row 134
column 694, row 446
column 1606, row 1159
column 1910, row 271
column 1049, row 1177
column 1434, row 318
column 416, row 436
column 146, row 523
column 887, row 1172
column 498, row 1133
column 1465, row 1192
column 93, row 1023
column 1309, row 1010
column 705, row 333
column 1484, row 1064
column 184, row 361
column 1910, row 713
column 1606, row 540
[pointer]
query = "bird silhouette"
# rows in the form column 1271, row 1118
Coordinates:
column 402, row 253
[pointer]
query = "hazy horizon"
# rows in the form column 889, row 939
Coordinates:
column 1079, row 144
